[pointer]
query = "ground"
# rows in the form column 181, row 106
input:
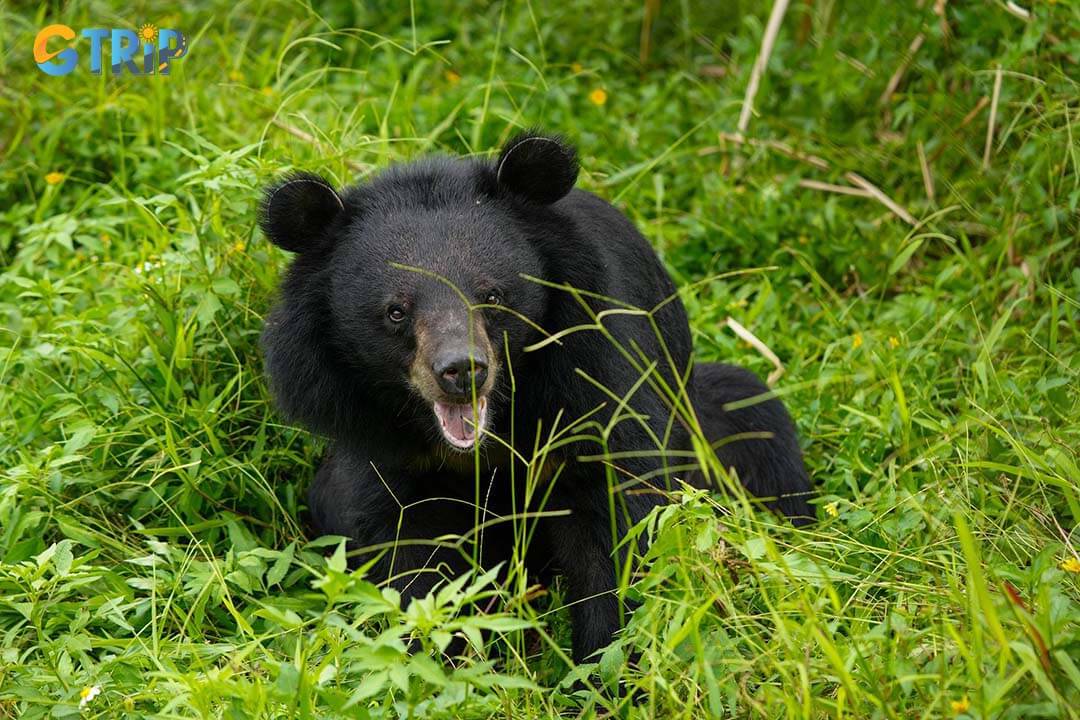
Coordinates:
column 898, row 224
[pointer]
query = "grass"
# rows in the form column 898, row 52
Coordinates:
column 149, row 495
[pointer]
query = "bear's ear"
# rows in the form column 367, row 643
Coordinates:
column 540, row 168
column 297, row 209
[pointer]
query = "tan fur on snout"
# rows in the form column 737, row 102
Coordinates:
column 422, row 377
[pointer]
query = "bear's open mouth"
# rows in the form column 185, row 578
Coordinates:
column 457, row 423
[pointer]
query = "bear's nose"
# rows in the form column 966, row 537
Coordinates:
column 458, row 374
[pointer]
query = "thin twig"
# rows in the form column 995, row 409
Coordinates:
column 1018, row 11
column 927, row 178
column 894, row 81
column 972, row 114
column 761, row 347
column 875, row 191
column 782, row 148
column 832, row 188
column 712, row 71
column 983, row 102
column 993, row 119
column 864, row 188
column 939, row 10
column 652, row 11
column 314, row 141
column 772, row 29
column 860, row 66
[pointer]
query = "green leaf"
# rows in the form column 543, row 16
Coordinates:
column 500, row 623
column 977, row 585
column 280, row 568
column 338, row 561
column 63, row 558
column 371, row 685
column 288, row 680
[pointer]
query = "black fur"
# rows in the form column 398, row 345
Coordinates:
column 338, row 365
column 297, row 211
column 537, row 167
column 756, row 438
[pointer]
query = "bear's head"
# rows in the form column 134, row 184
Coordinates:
column 412, row 295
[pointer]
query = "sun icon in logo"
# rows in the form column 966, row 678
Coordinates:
column 148, row 33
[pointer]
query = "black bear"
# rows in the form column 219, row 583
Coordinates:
column 443, row 321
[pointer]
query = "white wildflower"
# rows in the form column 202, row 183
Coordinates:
column 87, row 694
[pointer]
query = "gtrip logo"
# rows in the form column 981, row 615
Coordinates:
column 156, row 49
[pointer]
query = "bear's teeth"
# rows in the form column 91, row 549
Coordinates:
column 456, row 422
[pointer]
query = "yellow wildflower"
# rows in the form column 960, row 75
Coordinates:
column 832, row 509
column 1071, row 565
column 268, row 91
column 55, row 178
column 856, row 342
column 452, row 77
column 894, row 342
column 236, row 75
column 598, row 97
column 961, row 705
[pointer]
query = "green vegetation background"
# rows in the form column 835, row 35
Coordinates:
column 151, row 560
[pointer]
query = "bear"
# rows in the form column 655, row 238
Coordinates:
column 496, row 356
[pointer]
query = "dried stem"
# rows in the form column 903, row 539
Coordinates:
column 858, row 180
column 927, row 178
column 772, row 29
column 761, row 347
column 993, row 119
column 898, row 76
column 314, row 141
column 832, row 188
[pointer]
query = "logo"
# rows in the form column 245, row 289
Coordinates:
column 148, row 51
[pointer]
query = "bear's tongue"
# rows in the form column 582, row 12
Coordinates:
column 456, row 422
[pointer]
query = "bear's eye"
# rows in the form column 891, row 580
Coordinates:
column 395, row 313
column 493, row 298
